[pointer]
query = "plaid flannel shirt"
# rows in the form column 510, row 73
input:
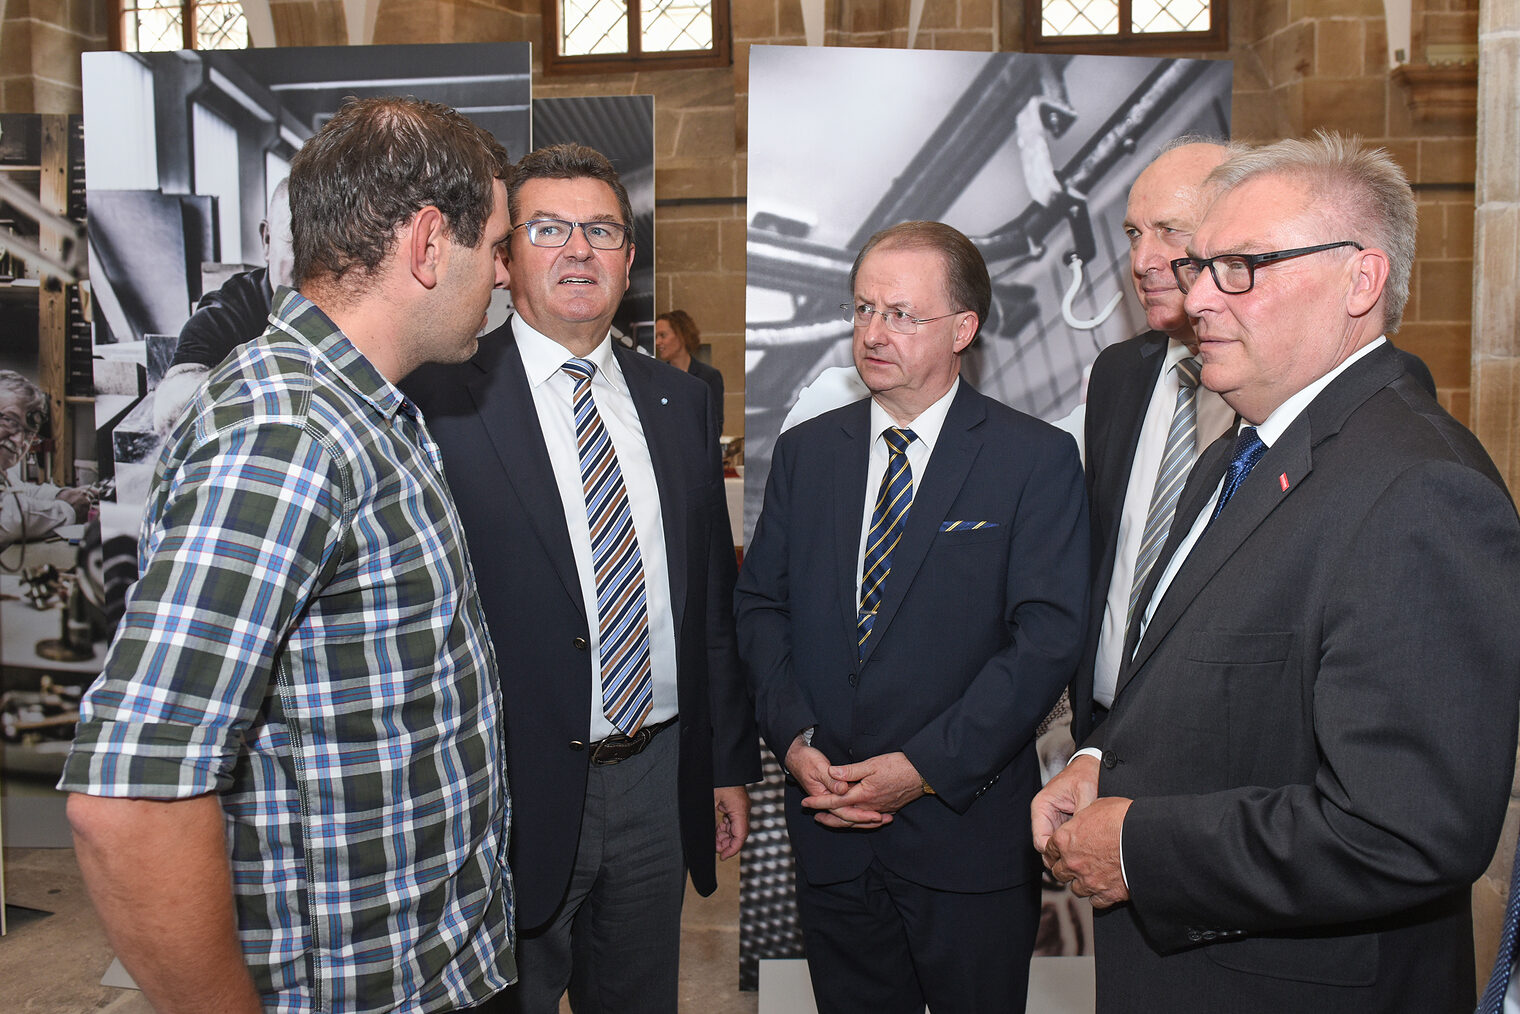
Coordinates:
column 306, row 641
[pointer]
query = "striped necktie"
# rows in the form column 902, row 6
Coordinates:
column 887, row 518
column 622, row 617
column 1176, row 462
column 1492, row 1001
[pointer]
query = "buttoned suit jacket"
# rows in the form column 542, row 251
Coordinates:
column 482, row 415
column 1318, row 727
column 977, row 632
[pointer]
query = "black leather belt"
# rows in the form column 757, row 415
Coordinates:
column 618, row 748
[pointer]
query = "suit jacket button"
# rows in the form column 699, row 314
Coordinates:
column 854, row 679
column 581, row 644
column 576, row 744
column 1194, row 935
column 1110, row 759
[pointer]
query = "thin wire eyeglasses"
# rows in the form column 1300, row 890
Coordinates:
column 898, row 321
column 555, row 232
column 1235, row 274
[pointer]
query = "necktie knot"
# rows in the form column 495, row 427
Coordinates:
column 581, row 370
column 898, row 439
column 1248, row 450
column 1189, row 371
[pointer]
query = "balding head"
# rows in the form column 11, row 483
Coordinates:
column 1165, row 203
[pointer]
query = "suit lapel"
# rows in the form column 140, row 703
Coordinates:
column 1126, row 416
column 933, row 493
column 503, row 401
column 652, row 402
column 1281, row 471
column 851, row 460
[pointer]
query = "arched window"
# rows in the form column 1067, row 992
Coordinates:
column 144, row 26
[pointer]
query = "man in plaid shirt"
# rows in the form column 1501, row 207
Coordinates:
column 289, row 788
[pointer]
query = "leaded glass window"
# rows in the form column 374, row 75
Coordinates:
column 157, row 25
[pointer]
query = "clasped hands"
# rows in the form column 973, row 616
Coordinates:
column 860, row 797
column 1078, row 834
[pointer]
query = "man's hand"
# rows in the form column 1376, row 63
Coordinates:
column 79, row 499
column 811, row 769
column 1084, row 852
column 877, row 787
column 1075, row 787
column 731, row 818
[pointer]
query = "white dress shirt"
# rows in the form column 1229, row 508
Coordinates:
column 926, row 430
column 1214, row 417
column 554, row 399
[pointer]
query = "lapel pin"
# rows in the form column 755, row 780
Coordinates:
column 664, row 401
column 1282, row 480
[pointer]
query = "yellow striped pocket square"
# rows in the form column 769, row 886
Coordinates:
column 965, row 526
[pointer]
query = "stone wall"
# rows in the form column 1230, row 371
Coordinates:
column 40, row 43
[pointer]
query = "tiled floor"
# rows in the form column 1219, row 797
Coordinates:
column 53, row 965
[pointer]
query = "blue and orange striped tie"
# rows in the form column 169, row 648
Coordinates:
column 621, row 599
column 887, row 519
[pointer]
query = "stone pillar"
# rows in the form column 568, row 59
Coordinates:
column 1496, row 341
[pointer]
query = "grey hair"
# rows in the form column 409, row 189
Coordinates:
column 1358, row 189
column 34, row 403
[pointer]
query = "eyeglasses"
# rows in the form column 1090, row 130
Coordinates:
column 1236, row 273
column 898, row 321
column 555, row 232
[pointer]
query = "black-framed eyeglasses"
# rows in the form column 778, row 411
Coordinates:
column 1236, row 273
column 899, row 321
column 555, row 232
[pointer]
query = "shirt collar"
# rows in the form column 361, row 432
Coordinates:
column 1176, row 352
column 301, row 319
column 1274, row 425
column 928, row 424
column 542, row 356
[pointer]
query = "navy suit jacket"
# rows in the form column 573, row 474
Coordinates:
column 1318, row 727
column 481, row 414
column 977, row 633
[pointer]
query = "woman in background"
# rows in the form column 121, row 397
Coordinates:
column 676, row 340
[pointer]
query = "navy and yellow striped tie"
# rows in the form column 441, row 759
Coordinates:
column 887, row 520
column 621, row 599
column 1176, row 461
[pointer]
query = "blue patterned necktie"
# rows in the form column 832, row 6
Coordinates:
column 1176, row 462
column 621, row 607
column 887, row 518
column 1248, row 450
column 1498, row 982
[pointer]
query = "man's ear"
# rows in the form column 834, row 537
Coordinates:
column 965, row 330
column 628, row 268
column 422, row 241
column 1369, row 276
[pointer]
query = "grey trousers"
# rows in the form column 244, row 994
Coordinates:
column 615, row 941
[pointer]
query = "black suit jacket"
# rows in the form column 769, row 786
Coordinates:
column 481, row 414
column 977, row 632
column 1318, row 728
column 1119, row 390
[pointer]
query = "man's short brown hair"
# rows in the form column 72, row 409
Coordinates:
column 374, row 165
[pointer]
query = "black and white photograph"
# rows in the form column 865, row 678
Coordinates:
column 622, row 128
column 1031, row 156
column 190, row 223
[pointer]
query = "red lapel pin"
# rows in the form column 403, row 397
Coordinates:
column 1282, row 480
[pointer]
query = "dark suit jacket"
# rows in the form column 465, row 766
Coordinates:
column 1318, row 729
column 714, row 380
column 1119, row 391
column 978, row 631
column 482, row 415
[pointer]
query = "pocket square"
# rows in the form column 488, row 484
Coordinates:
column 965, row 526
